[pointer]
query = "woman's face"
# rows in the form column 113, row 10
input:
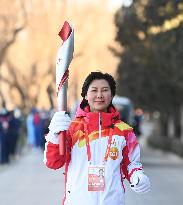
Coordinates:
column 99, row 95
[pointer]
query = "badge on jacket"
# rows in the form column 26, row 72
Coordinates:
column 96, row 178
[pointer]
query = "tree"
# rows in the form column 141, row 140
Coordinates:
column 35, row 46
column 150, row 68
column 11, row 25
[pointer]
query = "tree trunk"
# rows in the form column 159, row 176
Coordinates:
column 171, row 127
column 3, row 101
column 177, row 120
column 164, row 125
column 181, row 122
column 50, row 95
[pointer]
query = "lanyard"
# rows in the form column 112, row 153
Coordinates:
column 88, row 144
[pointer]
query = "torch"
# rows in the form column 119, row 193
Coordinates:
column 63, row 60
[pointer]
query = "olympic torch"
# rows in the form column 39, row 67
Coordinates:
column 63, row 60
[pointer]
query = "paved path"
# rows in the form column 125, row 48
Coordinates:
column 28, row 182
column 165, row 172
column 166, row 175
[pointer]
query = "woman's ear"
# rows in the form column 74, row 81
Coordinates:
column 86, row 98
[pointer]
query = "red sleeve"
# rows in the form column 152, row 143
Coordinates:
column 125, row 163
column 131, row 155
column 52, row 158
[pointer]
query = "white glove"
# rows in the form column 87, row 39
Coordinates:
column 59, row 122
column 140, row 182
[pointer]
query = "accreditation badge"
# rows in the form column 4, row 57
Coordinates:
column 96, row 178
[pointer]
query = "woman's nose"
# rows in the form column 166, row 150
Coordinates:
column 99, row 95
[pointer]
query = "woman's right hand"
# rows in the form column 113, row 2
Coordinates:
column 59, row 122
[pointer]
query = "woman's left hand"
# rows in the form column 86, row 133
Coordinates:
column 140, row 182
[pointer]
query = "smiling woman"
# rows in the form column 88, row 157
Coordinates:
column 99, row 96
column 98, row 91
column 101, row 149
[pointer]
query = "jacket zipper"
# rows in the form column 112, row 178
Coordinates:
column 100, row 123
column 100, row 135
column 100, row 138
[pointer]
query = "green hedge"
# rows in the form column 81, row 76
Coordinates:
column 166, row 144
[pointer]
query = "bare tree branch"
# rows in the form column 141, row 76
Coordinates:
column 8, row 41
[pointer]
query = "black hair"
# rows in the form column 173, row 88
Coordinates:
column 97, row 76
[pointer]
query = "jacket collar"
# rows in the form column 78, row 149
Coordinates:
column 93, row 118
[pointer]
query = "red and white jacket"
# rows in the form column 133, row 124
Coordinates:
column 93, row 130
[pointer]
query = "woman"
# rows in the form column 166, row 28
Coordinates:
column 96, row 140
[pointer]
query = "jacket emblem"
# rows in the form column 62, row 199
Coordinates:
column 113, row 153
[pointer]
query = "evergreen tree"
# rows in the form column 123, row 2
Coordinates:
column 150, row 71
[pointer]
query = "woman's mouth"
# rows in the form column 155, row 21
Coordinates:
column 99, row 101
